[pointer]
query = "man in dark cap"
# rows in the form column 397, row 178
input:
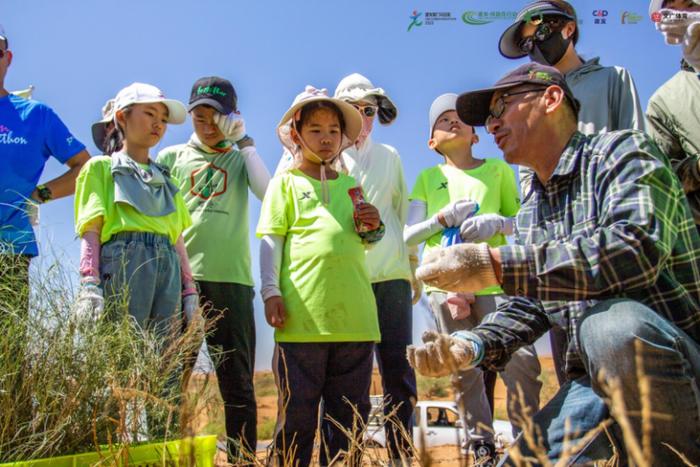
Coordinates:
column 606, row 240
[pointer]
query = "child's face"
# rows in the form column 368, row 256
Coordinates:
column 204, row 127
column 449, row 129
column 145, row 124
column 321, row 133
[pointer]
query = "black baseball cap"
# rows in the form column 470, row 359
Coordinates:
column 508, row 43
column 215, row 92
column 473, row 107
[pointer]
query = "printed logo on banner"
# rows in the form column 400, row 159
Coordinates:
column 600, row 16
column 629, row 17
column 479, row 18
column 670, row 15
column 414, row 20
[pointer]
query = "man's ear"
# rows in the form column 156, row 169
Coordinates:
column 553, row 98
column 568, row 29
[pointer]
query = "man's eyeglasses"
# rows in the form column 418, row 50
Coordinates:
column 498, row 107
column 366, row 110
column 545, row 28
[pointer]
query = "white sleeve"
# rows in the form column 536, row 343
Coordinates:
column 258, row 176
column 418, row 229
column 271, row 249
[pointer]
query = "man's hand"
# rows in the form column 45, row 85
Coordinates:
column 90, row 303
column 275, row 313
column 440, row 355
column 465, row 267
column 457, row 212
column 368, row 215
column 482, row 228
column 416, row 285
column 231, row 125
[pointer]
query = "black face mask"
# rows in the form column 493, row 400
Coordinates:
column 550, row 50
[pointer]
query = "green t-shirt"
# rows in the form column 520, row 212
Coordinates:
column 215, row 189
column 323, row 279
column 492, row 185
column 94, row 197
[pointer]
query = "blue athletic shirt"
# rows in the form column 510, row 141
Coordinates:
column 30, row 132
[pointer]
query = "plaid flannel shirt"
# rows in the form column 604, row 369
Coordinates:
column 611, row 222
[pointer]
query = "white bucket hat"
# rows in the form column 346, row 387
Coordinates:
column 141, row 93
column 355, row 88
column 441, row 105
column 99, row 128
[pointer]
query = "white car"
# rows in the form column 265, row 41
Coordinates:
column 436, row 422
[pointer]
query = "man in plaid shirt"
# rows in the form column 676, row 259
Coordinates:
column 607, row 247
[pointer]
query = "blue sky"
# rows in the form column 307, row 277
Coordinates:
column 79, row 53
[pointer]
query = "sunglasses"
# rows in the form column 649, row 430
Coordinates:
column 366, row 110
column 545, row 29
column 498, row 107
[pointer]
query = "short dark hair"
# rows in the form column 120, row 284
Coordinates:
column 312, row 107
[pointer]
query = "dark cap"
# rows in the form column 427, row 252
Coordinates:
column 508, row 44
column 215, row 92
column 473, row 107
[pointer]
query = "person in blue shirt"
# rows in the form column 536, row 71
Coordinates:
column 30, row 132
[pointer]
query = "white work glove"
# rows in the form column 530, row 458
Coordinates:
column 460, row 304
column 682, row 27
column 32, row 210
column 231, row 125
column 691, row 45
column 483, row 227
column 90, row 303
column 190, row 304
column 456, row 212
column 441, row 354
column 465, row 267
column 416, row 285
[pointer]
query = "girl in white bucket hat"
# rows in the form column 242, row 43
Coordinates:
column 130, row 216
column 315, row 283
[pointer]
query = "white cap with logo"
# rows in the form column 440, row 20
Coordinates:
column 441, row 105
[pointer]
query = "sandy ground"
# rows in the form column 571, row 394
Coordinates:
column 209, row 413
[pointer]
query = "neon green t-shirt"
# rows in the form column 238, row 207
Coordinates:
column 215, row 189
column 492, row 185
column 323, row 279
column 94, row 197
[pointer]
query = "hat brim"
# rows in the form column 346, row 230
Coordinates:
column 508, row 43
column 176, row 109
column 211, row 103
column 352, row 117
column 473, row 107
column 99, row 133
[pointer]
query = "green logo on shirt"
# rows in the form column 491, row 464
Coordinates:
column 305, row 195
column 208, row 181
column 443, row 186
column 213, row 90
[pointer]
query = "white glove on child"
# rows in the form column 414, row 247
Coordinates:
column 456, row 212
column 465, row 267
column 231, row 125
column 441, row 355
column 90, row 302
column 483, row 227
column 190, row 303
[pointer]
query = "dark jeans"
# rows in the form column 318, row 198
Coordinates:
column 398, row 378
column 233, row 339
column 559, row 342
column 337, row 372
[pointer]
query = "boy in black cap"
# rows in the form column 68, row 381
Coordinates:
column 547, row 31
column 215, row 169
